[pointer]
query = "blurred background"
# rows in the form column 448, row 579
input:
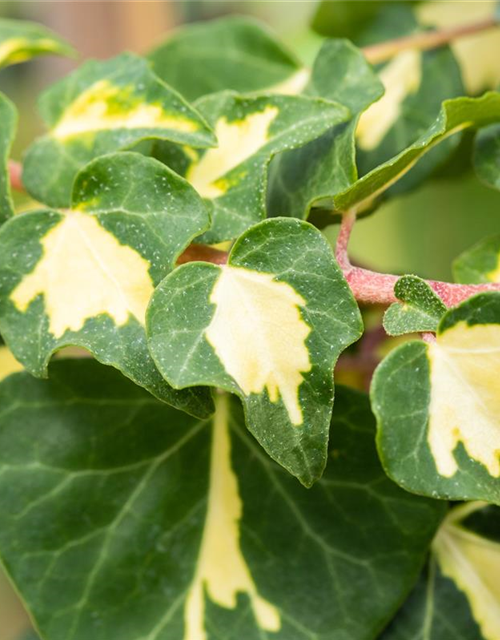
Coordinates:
column 419, row 232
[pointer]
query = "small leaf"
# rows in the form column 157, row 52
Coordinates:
column 210, row 538
column 103, row 107
column 21, row 40
column 251, row 130
column 269, row 327
column 327, row 165
column 487, row 156
column 437, row 406
column 457, row 595
column 420, row 308
column 479, row 264
column 8, row 124
column 235, row 53
column 84, row 276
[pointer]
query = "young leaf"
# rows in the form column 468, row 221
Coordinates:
column 8, row 124
column 234, row 52
column 251, row 130
column 208, row 537
column 101, row 107
column 269, row 326
column 84, row 276
column 420, row 308
column 479, row 264
column 437, row 406
column 301, row 177
column 487, row 156
column 456, row 115
column 21, row 40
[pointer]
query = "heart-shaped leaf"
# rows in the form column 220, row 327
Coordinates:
column 85, row 276
column 269, row 327
column 251, row 130
column 437, row 406
column 210, row 538
column 101, row 107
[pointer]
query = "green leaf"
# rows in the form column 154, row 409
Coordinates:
column 479, row 264
column 251, row 130
column 457, row 595
column 456, row 115
column 437, row 406
column 183, row 529
column 269, row 327
column 234, row 52
column 343, row 18
column 420, row 309
column 327, row 165
column 416, row 84
column 487, row 156
column 21, row 40
column 8, row 125
column 84, row 277
column 101, row 107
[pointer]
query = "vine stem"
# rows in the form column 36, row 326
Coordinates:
column 371, row 287
column 424, row 40
column 15, row 171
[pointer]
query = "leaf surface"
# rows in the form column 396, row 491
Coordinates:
column 269, row 327
column 457, row 595
column 8, row 125
column 251, row 130
column 420, row 308
column 479, row 264
column 210, row 538
column 437, row 406
column 235, row 52
column 85, row 276
column 487, row 156
column 21, row 40
column 101, row 107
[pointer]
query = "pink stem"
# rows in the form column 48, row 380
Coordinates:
column 15, row 171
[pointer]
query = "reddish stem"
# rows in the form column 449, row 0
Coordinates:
column 200, row 252
column 15, row 172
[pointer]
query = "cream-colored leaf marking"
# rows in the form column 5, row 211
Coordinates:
column 494, row 275
column 96, row 110
column 473, row 563
column 84, row 271
column 238, row 141
column 400, row 77
column 19, row 49
column 293, row 85
column 222, row 571
column 8, row 363
column 258, row 333
column 465, row 396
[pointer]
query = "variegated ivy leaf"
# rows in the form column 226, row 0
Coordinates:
column 302, row 177
column 21, row 40
column 458, row 595
column 416, row 83
column 250, row 130
column 438, row 406
column 209, row 537
column 234, row 52
column 479, row 264
column 8, row 123
column 487, row 156
column 456, row 115
column 269, row 327
column 84, row 276
column 101, row 107
column 420, row 308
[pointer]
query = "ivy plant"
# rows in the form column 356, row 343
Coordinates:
column 182, row 453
